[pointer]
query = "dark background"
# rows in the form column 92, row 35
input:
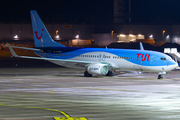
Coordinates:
column 90, row 11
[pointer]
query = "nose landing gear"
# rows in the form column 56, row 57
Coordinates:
column 160, row 75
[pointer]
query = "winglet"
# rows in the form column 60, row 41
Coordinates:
column 141, row 46
column 12, row 51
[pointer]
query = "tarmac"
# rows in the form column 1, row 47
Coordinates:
column 47, row 93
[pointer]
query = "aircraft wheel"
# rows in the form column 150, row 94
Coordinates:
column 86, row 74
column 160, row 77
column 110, row 73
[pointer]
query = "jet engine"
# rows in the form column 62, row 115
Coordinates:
column 100, row 69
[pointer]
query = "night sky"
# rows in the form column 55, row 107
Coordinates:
column 89, row 11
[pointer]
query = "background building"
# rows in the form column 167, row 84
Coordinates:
column 100, row 34
column 122, row 11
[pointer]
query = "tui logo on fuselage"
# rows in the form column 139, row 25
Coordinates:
column 142, row 55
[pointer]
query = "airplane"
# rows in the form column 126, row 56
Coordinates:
column 99, row 61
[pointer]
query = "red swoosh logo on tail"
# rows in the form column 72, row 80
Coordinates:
column 36, row 32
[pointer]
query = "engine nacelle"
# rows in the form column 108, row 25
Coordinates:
column 100, row 69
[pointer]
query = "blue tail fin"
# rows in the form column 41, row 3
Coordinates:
column 41, row 35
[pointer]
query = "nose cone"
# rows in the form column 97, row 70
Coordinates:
column 177, row 65
column 174, row 65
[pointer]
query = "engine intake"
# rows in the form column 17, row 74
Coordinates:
column 100, row 69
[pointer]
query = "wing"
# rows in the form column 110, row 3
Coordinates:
column 68, row 63
column 41, row 58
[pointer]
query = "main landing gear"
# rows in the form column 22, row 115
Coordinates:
column 160, row 77
column 86, row 74
column 110, row 73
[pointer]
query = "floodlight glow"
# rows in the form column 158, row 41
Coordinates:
column 167, row 37
column 16, row 36
column 122, row 35
column 132, row 40
column 130, row 35
column 57, row 36
column 151, row 36
column 77, row 36
column 139, row 35
column 119, row 41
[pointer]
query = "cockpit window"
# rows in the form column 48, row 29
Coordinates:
column 163, row 58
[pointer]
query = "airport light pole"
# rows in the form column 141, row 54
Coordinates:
column 163, row 34
column 77, row 36
column 112, row 35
